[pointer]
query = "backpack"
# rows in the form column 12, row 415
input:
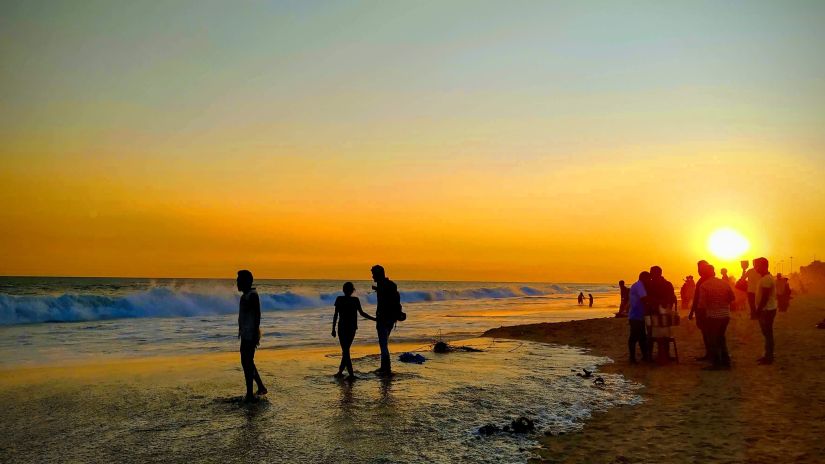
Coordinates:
column 401, row 315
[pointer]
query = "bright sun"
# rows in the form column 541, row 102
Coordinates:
column 727, row 244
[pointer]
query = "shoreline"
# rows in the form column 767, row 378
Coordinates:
column 751, row 414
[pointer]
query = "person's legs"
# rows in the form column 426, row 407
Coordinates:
column 752, row 305
column 346, row 339
column 723, row 342
column 637, row 335
column 247, row 363
column 384, row 330
column 701, row 323
column 766, row 324
column 708, row 333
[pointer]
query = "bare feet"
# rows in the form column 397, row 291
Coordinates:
column 261, row 391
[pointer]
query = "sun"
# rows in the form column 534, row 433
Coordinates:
column 727, row 244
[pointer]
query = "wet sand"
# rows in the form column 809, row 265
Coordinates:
column 751, row 414
column 187, row 408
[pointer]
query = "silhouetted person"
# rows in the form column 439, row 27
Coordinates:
column 249, row 331
column 753, row 278
column 624, row 304
column 702, row 269
column 714, row 298
column 662, row 299
column 636, row 318
column 348, row 307
column 581, row 298
column 590, row 298
column 687, row 292
column 387, row 312
column 783, row 293
column 731, row 283
column 765, row 306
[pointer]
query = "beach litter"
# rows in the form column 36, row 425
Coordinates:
column 413, row 358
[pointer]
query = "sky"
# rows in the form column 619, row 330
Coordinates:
column 448, row 140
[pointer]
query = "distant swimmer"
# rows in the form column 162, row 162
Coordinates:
column 249, row 331
column 347, row 307
column 581, row 298
column 590, row 297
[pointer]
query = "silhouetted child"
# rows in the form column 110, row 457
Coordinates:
column 348, row 307
column 249, row 331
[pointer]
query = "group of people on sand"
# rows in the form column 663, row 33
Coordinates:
column 651, row 312
column 651, row 309
column 347, row 308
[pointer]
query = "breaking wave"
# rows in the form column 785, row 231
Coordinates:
column 174, row 302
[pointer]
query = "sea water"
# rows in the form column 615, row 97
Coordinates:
column 426, row 413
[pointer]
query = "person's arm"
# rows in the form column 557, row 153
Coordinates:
column 334, row 320
column 766, row 295
column 696, row 302
column 256, row 311
column 361, row 311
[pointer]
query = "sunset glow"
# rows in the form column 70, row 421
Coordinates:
column 454, row 141
column 727, row 244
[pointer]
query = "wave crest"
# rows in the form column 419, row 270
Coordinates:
column 172, row 302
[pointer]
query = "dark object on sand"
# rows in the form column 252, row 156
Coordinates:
column 587, row 374
column 599, row 381
column 489, row 429
column 444, row 347
column 412, row 358
column 522, row 425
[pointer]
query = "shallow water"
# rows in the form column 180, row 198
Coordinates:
column 426, row 413
column 179, row 413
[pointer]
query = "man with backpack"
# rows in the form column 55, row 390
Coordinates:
column 388, row 311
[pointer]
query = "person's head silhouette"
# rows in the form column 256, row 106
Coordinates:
column 244, row 280
column 349, row 289
column 761, row 265
column 378, row 273
column 655, row 272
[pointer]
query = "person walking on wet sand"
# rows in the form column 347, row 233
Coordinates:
column 387, row 312
column 249, row 331
column 765, row 306
column 348, row 307
column 581, row 298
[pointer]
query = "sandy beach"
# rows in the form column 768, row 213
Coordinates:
column 751, row 414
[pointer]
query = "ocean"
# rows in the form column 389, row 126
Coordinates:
column 426, row 413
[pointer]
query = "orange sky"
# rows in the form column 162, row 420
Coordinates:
column 500, row 150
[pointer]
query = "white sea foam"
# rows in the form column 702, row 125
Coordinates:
column 187, row 300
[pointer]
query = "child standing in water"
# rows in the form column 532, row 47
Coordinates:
column 249, row 331
column 348, row 307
